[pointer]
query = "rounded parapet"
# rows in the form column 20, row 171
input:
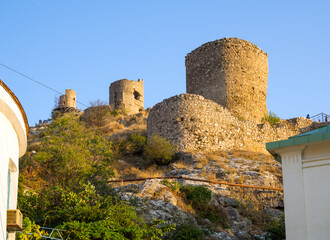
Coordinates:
column 231, row 72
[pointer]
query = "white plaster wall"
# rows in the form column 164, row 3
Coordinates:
column 306, row 181
column 316, row 168
column 13, row 143
column 294, row 196
column 9, row 151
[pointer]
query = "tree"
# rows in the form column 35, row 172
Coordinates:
column 97, row 114
column 86, row 214
column 71, row 155
column 73, row 163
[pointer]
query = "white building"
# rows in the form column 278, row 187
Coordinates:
column 306, row 180
column 13, row 142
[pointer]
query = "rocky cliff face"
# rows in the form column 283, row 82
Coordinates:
column 245, row 212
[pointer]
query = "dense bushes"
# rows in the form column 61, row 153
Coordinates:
column 138, row 143
column 68, row 177
column 159, row 150
column 186, row 232
column 276, row 229
column 97, row 114
column 70, row 155
column 88, row 215
column 200, row 197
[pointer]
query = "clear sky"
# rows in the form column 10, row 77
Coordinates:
column 86, row 45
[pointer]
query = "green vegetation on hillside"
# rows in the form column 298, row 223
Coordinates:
column 64, row 185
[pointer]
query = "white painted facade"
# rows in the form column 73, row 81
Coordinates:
column 13, row 143
column 306, row 182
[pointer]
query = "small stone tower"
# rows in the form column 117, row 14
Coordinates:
column 127, row 94
column 66, row 104
column 231, row 72
column 68, row 100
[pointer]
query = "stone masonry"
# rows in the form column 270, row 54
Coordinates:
column 231, row 72
column 127, row 94
column 193, row 123
column 68, row 100
column 66, row 104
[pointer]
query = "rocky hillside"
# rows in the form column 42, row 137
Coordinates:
column 210, row 210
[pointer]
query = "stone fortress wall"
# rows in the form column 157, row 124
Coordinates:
column 193, row 123
column 225, row 102
column 231, row 72
column 127, row 94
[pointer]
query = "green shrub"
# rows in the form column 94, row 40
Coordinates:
column 97, row 114
column 70, row 155
column 216, row 214
column 115, row 113
column 186, row 232
column 198, row 196
column 138, row 143
column 276, row 229
column 30, row 230
column 86, row 214
column 159, row 150
column 174, row 186
column 239, row 117
column 271, row 118
column 258, row 217
column 120, row 111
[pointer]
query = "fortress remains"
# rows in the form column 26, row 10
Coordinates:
column 68, row 100
column 231, row 72
column 225, row 102
column 127, row 94
column 67, row 103
column 192, row 122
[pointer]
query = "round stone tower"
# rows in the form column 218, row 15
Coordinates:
column 127, row 94
column 231, row 72
column 68, row 100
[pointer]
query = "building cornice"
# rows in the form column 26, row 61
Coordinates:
column 19, row 105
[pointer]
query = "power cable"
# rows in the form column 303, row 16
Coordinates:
column 40, row 83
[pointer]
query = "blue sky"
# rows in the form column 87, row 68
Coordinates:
column 86, row 45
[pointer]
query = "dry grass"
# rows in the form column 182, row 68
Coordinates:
column 202, row 159
column 199, row 166
column 151, row 172
column 180, row 165
column 240, row 179
column 35, row 145
column 251, row 155
column 271, row 168
column 217, row 156
column 126, row 170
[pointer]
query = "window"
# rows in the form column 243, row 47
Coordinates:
column 137, row 95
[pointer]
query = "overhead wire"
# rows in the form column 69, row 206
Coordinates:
column 40, row 83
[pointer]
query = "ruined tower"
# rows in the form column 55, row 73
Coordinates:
column 127, row 94
column 66, row 103
column 68, row 100
column 231, row 72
